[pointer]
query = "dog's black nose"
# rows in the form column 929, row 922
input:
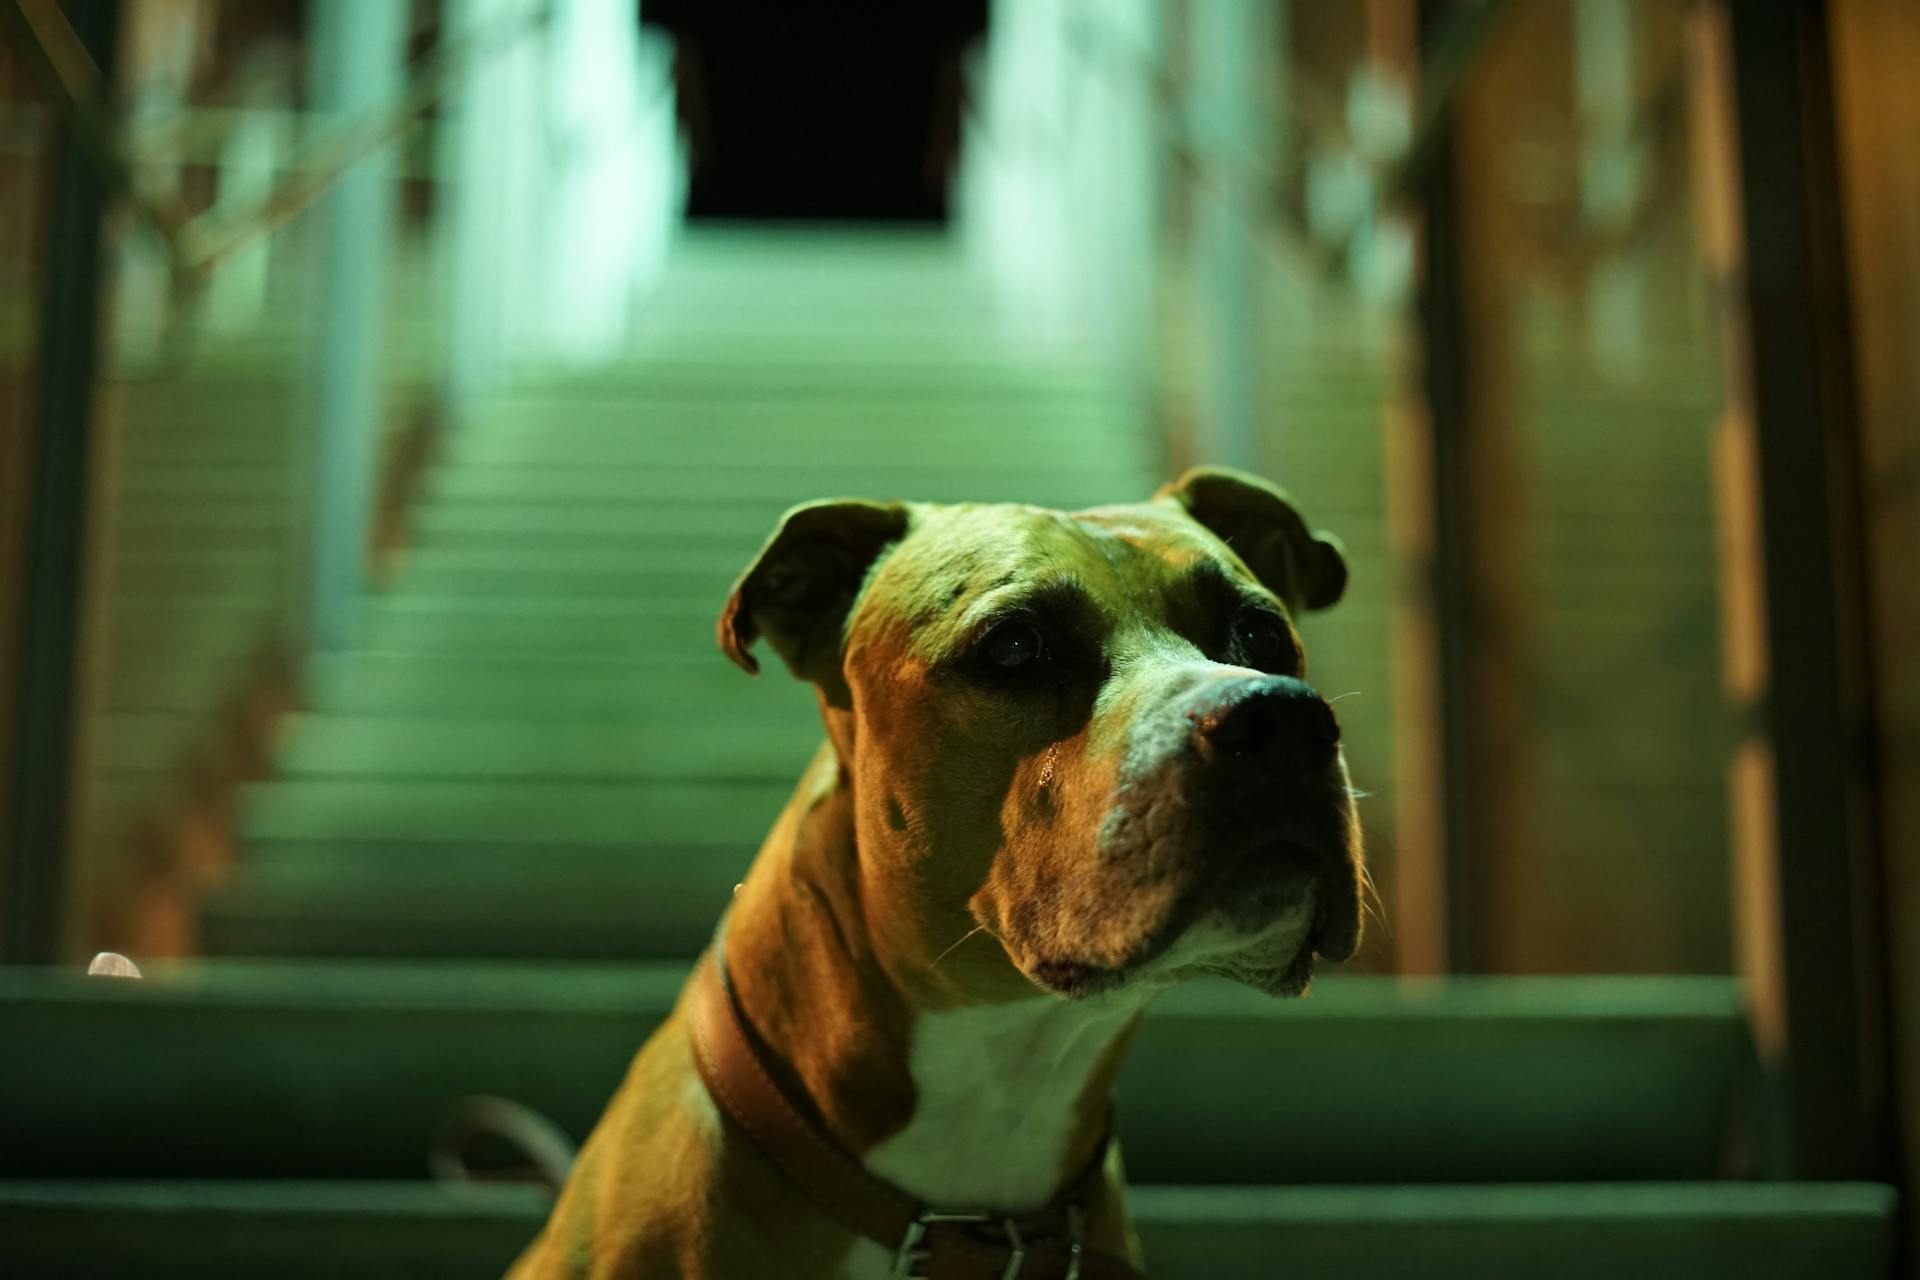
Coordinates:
column 1278, row 721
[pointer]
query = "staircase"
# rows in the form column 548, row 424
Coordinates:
column 508, row 817
column 537, row 749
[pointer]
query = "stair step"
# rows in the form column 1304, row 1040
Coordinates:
column 626, row 902
column 469, row 748
column 464, row 568
column 1742, row 1231
column 816, row 432
column 190, row 1230
column 730, row 370
column 1088, row 482
column 624, row 411
column 725, row 814
column 587, row 571
column 596, row 628
column 688, row 686
column 342, row 1070
column 707, row 527
column 590, row 627
column 719, row 525
column 780, row 489
column 1774, row 1231
column 825, row 460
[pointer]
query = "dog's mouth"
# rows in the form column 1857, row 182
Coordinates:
column 1076, row 979
column 1250, row 914
column 1270, row 878
column 1277, row 875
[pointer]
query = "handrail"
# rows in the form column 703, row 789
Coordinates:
column 1441, row 78
column 197, row 245
column 1168, row 92
column 55, row 56
column 196, row 128
column 214, row 239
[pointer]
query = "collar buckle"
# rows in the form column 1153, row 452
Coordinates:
column 910, row 1255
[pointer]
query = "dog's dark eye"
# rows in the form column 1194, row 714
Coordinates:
column 1262, row 640
column 1016, row 645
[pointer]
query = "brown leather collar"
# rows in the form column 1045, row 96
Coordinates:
column 935, row 1244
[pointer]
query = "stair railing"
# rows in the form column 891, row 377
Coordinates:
column 196, row 245
column 85, row 618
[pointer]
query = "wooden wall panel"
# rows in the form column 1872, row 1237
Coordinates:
column 22, row 178
column 1876, row 47
column 1593, row 386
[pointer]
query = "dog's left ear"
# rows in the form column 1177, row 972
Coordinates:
column 1305, row 569
column 800, row 588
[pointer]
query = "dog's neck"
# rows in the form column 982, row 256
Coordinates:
column 977, row 1106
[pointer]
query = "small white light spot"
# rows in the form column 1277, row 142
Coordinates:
column 111, row 964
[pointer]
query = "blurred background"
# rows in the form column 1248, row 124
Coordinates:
column 390, row 391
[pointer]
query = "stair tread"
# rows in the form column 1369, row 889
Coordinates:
column 1691, row 998
column 277, row 1068
column 392, row 1228
column 698, row 686
column 544, row 811
column 407, row 745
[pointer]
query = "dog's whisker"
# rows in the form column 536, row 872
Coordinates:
column 1351, row 693
column 1372, row 890
column 977, row 929
column 1366, row 909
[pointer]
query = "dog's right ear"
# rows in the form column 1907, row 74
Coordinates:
column 800, row 588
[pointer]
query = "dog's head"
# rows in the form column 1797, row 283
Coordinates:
column 1083, row 751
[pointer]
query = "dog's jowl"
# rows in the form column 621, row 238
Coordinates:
column 1071, row 759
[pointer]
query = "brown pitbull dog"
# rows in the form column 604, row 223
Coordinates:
column 1071, row 760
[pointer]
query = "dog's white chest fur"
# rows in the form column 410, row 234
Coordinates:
column 999, row 1089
